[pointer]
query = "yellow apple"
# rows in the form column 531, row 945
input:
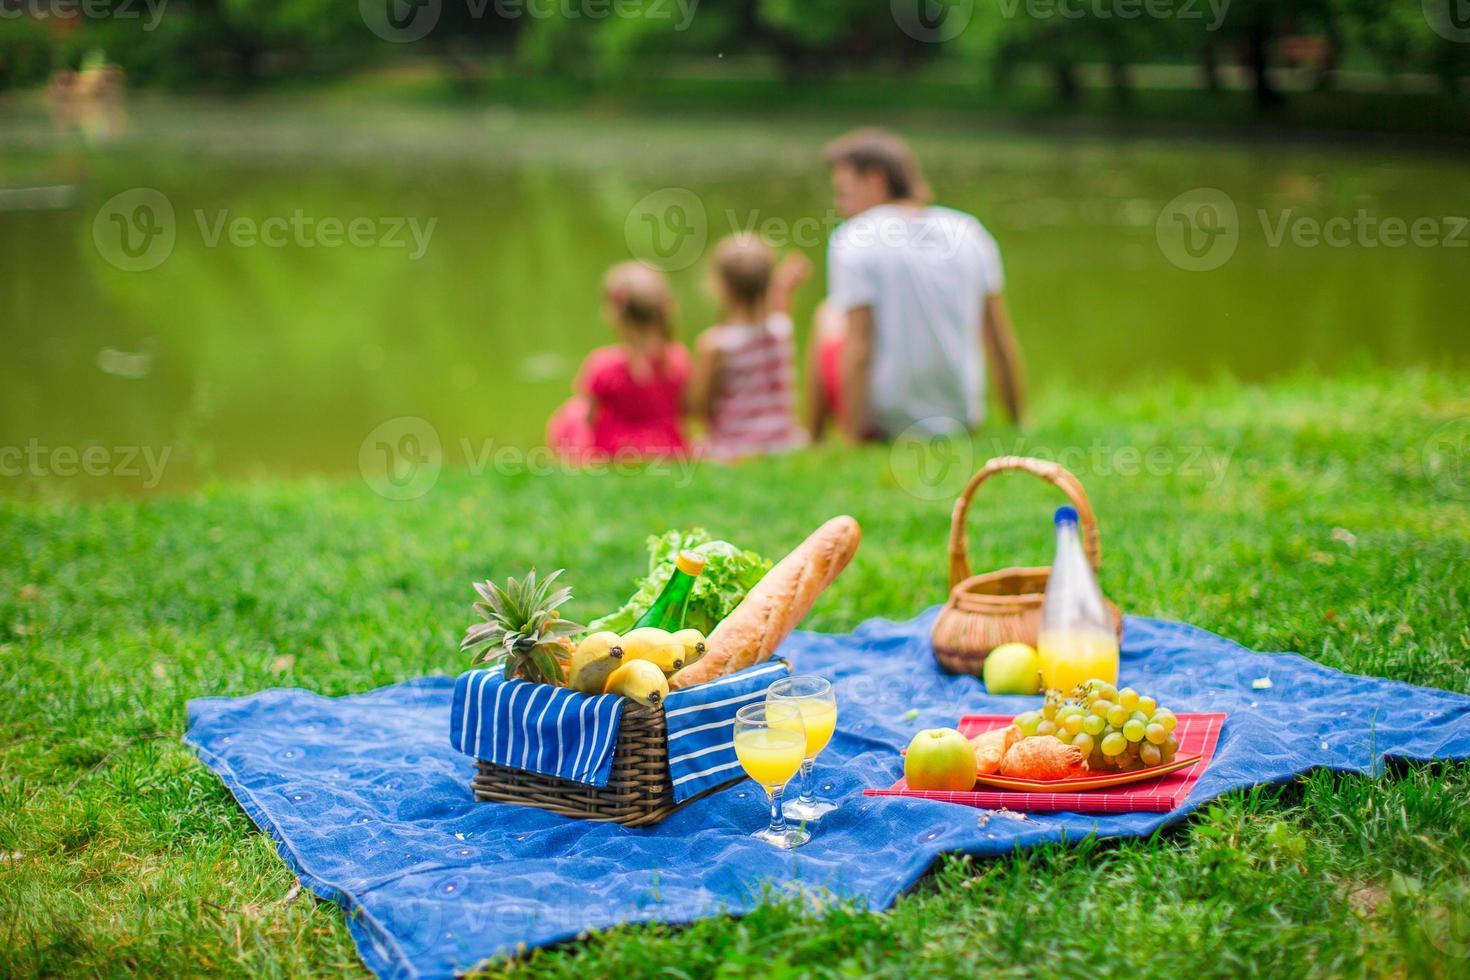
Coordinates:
column 1013, row 668
column 940, row 758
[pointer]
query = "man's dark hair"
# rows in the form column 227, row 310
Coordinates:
column 879, row 151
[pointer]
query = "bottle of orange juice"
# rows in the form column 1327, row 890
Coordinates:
column 1077, row 641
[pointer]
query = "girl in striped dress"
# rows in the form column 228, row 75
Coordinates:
column 743, row 381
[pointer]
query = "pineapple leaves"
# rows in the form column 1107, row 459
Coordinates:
column 521, row 628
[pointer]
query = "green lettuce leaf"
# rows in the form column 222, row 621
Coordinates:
column 729, row 573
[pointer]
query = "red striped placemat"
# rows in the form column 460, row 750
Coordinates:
column 1197, row 734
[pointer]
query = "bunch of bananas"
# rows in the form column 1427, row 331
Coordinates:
column 636, row 665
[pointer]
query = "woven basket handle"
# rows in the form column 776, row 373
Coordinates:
column 959, row 542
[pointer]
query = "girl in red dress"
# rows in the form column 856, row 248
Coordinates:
column 629, row 395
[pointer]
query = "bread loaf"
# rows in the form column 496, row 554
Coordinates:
column 779, row 601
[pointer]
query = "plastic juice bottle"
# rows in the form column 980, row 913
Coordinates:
column 1077, row 641
column 667, row 611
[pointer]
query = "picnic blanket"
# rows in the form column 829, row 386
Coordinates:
column 370, row 803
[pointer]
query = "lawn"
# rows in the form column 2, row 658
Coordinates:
column 1325, row 517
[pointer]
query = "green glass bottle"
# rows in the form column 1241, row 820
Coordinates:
column 667, row 611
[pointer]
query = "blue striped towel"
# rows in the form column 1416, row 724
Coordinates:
column 558, row 732
column 701, row 723
column 550, row 730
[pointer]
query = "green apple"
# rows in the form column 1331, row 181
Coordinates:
column 940, row 758
column 1013, row 668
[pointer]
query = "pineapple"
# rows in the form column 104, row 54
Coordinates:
column 521, row 628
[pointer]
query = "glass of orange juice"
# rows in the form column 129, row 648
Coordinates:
column 770, row 740
column 814, row 698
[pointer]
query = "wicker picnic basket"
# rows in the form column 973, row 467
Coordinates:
column 639, row 791
column 985, row 611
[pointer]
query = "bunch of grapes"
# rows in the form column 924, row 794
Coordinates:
column 1117, row 730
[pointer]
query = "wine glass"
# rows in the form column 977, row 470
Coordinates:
column 814, row 698
column 770, row 740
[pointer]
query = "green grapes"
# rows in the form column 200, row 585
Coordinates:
column 1115, row 729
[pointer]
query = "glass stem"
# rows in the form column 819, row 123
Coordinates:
column 778, row 819
column 808, row 784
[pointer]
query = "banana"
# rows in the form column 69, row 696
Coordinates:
column 693, row 642
column 641, row 681
column 654, row 645
column 595, row 659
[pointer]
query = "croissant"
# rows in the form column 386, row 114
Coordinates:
column 1042, row 757
column 990, row 748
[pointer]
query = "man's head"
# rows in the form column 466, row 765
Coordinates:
column 872, row 167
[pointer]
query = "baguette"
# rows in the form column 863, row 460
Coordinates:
column 780, row 600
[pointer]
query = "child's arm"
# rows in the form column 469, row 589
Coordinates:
column 699, row 394
column 792, row 271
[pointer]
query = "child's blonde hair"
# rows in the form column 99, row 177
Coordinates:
column 640, row 298
column 743, row 264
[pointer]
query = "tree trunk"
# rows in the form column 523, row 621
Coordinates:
column 1258, row 39
column 1209, row 66
column 1122, row 83
column 1068, row 88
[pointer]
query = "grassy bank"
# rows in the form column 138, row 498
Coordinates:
column 1321, row 517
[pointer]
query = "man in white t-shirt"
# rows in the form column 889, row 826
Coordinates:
column 915, row 310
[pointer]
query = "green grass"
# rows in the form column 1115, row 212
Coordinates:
column 1337, row 529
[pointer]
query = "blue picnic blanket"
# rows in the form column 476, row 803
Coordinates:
column 370, row 804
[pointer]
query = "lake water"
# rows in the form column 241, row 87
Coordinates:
column 278, row 278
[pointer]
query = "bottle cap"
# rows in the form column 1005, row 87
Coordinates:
column 1065, row 515
column 689, row 563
